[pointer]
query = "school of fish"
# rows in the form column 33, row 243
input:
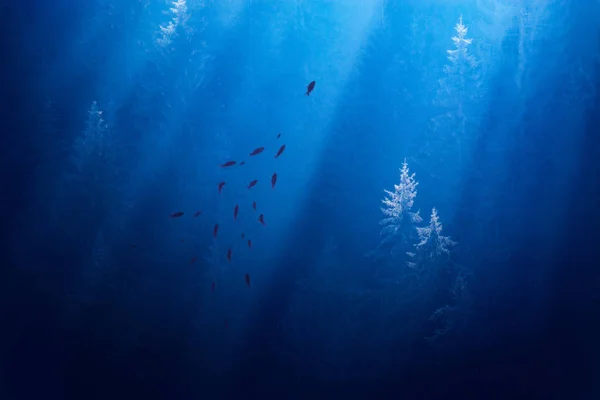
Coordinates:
column 236, row 209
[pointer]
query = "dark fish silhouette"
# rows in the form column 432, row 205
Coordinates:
column 261, row 219
column 213, row 285
column 197, row 214
column 177, row 214
column 221, row 186
column 273, row 180
column 228, row 164
column 281, row 149
column 229, row 255
column 278, row 135
column 247, row 278
column 254, row 205
column 310, row 88
column 253, row 183
column 257, row 151
column 236, row 209
column 215, row 230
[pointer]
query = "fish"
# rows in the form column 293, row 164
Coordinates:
column 278, row 135
column 133, row 246
column 256, row 151
column 215, row 230
column 273, row 180
column 261, row 219
column 247, row 278
column 243, row 162
column 235, row 211
column 221, row 186
column 193, row 260
column 213, row 286
column 253, row 183
column 228, row 164
column 249, row 243
column 281, row 149
column 177, row 214
column 254, row 205
column 197, row 214
column 310, row 87
column 229, row 255
column 243, row 235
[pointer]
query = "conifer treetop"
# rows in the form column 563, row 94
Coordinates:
column 431, row 239
column 95, row 128
column 179, row 10
column 399, row 202
column 461, row 52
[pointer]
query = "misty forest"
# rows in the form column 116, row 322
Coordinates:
column 219, row 198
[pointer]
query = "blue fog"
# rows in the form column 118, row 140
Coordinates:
column 431, row 232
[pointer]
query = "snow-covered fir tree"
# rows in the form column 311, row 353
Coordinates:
column 457, row 112
column 397, row 207
column 179, row 16
column 461, row 60
column 90, row 146
column 432, row 244
column 399, row 222
column 95, row 174
column 460, row 90
column 461, row 76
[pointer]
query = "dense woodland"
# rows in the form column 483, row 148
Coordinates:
column 438, row 192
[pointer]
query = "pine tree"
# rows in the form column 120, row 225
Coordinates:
column 460, row 58
column 179, row 17
column 90, row 146
column 95, row 174
column 458, row 73
column 398, row 224
column 432, row 244
column 453, row 130
column 460, row 88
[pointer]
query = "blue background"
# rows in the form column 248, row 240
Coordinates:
column 114, row 115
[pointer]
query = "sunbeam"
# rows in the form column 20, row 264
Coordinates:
column 300, row 199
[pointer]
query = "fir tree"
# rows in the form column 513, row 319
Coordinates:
column 460, row 58
column 460, row 89
column 179, row 17
column 461, row 78
column 398, row 225
column 90, row 146
column 95, row 176
column 432, row 244
column 453, row 130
